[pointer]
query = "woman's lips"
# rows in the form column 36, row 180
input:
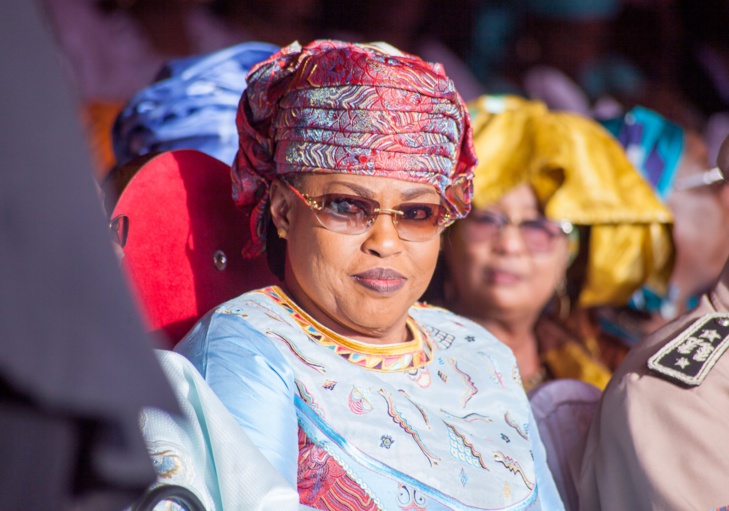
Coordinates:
column 381, row 280
column 496, row 276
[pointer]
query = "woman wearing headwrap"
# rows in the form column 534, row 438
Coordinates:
column 674, row 161
column 355, row 157
column 542, row 178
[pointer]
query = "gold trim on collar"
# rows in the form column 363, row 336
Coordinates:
column 397, row 357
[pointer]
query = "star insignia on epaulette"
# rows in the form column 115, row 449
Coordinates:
column 682, row 362
column 689, row 358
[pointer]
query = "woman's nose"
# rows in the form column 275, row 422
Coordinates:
column 382, row 239
column 509, row 240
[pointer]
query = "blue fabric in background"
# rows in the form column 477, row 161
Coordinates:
column 192, row 105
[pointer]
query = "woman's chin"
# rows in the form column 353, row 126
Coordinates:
column 371, row 312
column 506, row 302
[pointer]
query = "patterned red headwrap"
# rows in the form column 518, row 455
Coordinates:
column 334, row 107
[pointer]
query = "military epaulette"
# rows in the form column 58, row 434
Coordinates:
column 689, row 357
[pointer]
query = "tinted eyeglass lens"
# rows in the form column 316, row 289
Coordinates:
column 483, row 226
column 350, row 214
column 539, row 235
column 420, row 221
column 345, row 213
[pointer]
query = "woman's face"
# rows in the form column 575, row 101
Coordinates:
column 700, row 219
column 359, row 285
column 501, row 275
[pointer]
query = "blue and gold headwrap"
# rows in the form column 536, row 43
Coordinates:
column 654, row 145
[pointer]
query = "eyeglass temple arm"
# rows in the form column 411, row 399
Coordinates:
column 708, row 177
column 308, row 200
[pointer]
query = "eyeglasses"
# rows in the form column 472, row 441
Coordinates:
column 706, row 178
column 353, row 214
column 539, row 234
column 119, row 229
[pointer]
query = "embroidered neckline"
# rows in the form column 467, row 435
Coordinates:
column 387, row 358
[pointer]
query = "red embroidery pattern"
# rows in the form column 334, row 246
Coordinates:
column 324, row 484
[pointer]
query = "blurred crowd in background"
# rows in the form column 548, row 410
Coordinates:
column 594, row 57
column 620, row 220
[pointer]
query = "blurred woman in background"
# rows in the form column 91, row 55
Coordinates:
column 560, row 215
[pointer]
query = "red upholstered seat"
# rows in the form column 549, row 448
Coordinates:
column 184, row 240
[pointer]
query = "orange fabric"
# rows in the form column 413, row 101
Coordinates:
column 98, row 118
column 565, row 356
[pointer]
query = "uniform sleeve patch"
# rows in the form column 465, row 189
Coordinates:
column 689, row 358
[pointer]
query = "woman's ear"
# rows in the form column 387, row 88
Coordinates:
column 722, row 161
column 444, row 290
column 446, row 244
column 280, row 205
column 564, row 265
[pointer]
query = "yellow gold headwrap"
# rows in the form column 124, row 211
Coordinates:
column 579, row 173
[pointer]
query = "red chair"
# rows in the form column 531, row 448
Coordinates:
column 182, row 240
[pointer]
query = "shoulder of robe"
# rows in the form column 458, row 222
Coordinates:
column 690, row 357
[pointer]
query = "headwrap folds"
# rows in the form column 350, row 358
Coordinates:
column 655, row 146
column 579, row 173
column 334, row 107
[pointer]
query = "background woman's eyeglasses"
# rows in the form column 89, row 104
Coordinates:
column 539, row 234
column 352, row 214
